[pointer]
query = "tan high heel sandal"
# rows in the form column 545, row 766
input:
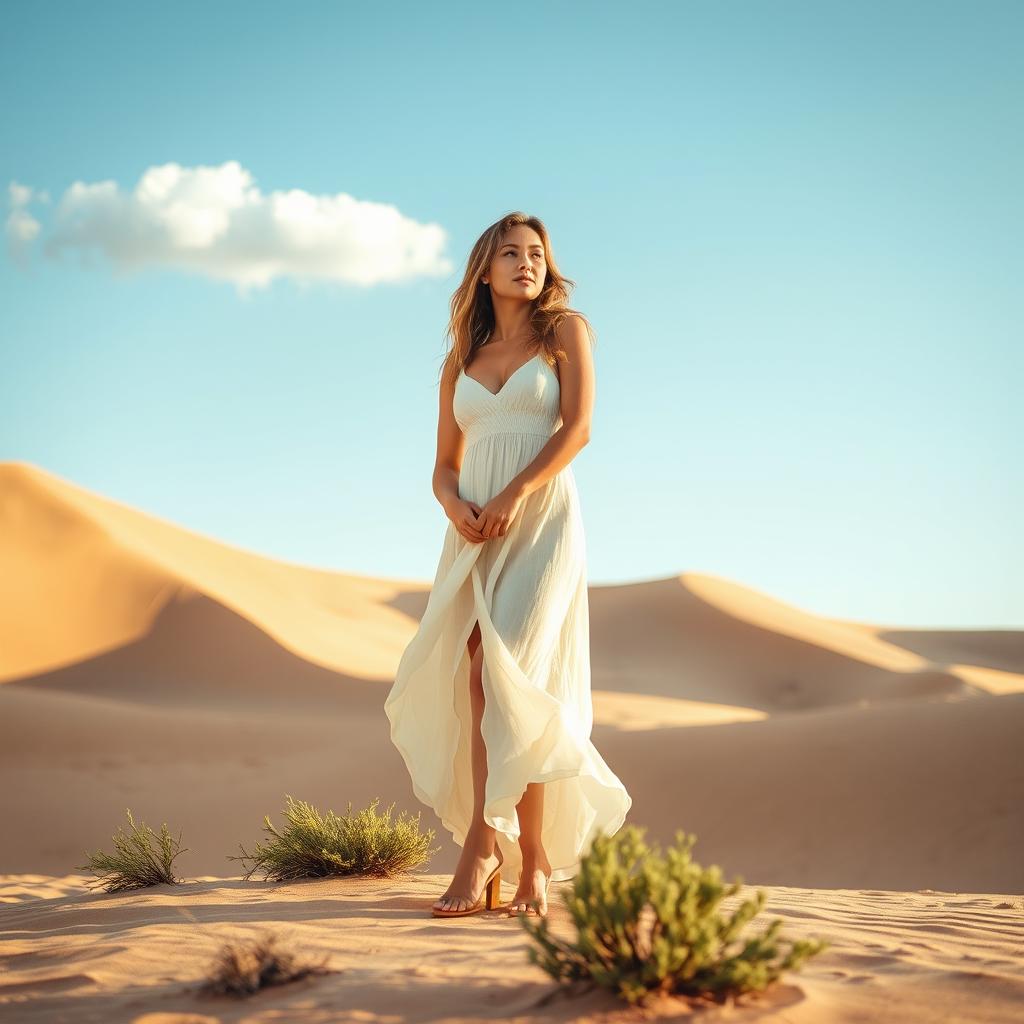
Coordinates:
column 532, row 910
column 489, row 899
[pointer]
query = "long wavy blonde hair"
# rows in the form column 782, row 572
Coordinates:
column 472, row 312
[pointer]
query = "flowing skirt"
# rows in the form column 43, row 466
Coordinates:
column 528, row 591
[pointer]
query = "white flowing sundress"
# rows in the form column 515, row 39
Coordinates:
column 528, row 590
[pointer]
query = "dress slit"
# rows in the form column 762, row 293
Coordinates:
column 479, row 640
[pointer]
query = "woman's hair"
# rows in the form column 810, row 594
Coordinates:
column 472, row 312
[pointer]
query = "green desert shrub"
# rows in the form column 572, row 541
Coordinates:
column 241, row 969
column 141, row 858
column 313, row 845
column 648, row 925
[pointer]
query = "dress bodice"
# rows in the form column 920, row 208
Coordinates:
column 528, row 403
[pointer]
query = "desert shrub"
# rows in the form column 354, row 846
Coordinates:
column 313, row 845
column 647, row 925
column 241, row 969
column 135, row 863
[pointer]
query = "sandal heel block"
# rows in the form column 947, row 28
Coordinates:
column 493, row 890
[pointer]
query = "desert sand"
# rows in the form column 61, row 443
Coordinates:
column 869, row 778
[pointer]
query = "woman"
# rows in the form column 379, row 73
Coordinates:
column 491, row 705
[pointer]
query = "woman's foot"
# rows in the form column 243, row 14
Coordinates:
column 474, row 868
column 532, row 895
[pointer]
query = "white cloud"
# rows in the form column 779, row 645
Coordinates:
column 216, row 221
column 21, row 227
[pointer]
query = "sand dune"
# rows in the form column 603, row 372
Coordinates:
column 146, row 666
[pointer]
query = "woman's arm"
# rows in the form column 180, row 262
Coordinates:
column 576, row 384
column 451, row 447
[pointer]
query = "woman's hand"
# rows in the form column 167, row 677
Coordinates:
column 463, row 514
column 499, row 513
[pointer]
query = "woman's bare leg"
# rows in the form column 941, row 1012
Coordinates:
column 479, row 856
column 536, row 867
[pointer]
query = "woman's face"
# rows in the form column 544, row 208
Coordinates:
column 520, row 256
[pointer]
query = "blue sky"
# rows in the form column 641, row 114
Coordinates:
column 796, row 228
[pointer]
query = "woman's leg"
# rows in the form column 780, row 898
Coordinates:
column 536, row 867
column 479, row 856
